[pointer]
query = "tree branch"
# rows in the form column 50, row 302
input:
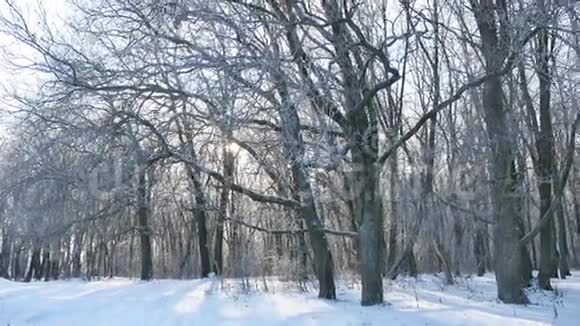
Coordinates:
column 427, row 116
column 349, row 234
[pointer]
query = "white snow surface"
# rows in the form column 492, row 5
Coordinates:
column 408, row 301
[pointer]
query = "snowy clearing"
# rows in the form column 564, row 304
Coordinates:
column 425, row 301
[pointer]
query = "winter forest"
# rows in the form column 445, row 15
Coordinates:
column 298, row 144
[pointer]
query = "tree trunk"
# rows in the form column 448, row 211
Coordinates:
column 519, row 173
column 564, row 254
column 300, row 250
column 362, row 135
column 410, row 262
column 545, row 166
column 507, row 250
column 200, row 219
column 16, row 270
column 5, row 254
column 479, row 248
column 525, row 256
column 458, row 232
column 368, row 205
column 353, row 256
column 76, row 256
column 143, row 224
column 199, row 211
column 294, row 151
column 46, row 265
column 576, row 194
column 392, row 239
column 532, row 243
column 228, row 169
column 34, row 265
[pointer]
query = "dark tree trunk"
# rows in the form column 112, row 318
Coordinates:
column 200, row 219
column 369, row 210
column 392, row 238
column 199, row 222
column 142, row 222
column 532, row 243
column 234, row 249
column 228, row 169
column 199, row 211
column 16, row 271
column 458, row 232
column 294, row 151
column 5, row 254
column 198, row 197
column 545, row 166
column 46, row 265
column 360, row 128
column 525, row 256
column 507, row 249
column 76, row 257
column 564, row 254
column 300, row 249
column 34, row 265
column 354, row 257
column 55, row 269
column 506, row 232
column 362, row 134
column 519, row 173
column 410, row 262
column 576, row 195
column 548, row 255
column 479, row 248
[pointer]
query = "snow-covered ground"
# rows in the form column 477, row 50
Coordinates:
column 424, row 301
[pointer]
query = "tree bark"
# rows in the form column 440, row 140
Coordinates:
column 46, row 265
column 143, row 224
column 200, row 219
column 564, row 253
column 198, row 196
column 228, row 169
column 519, row 175
column 5, row 253
column 294, row 151
column 34, row 265
column 392, row 238
column 576, row 194
column 362, row 135
column 545, row 171
column 479, row 248
column 16, row 270
column 507, row 250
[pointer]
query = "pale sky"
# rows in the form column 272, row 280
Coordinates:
column 19, row 81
